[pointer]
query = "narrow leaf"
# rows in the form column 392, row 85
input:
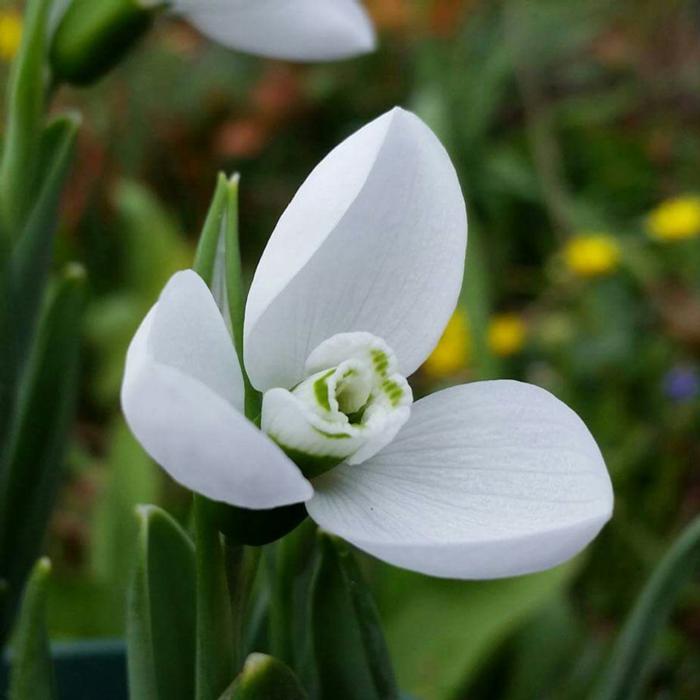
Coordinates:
column 161, row 603
column 31, row 258
column 31, row 475
column 216, row 644
column 265, row 678
column 349, row 648
column 25, row 113
column 32, row 676
column 625, row 673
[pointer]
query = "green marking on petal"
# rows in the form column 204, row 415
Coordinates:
column 321, row 390
column 380, row 361
column 331, row 436
column 393, row 391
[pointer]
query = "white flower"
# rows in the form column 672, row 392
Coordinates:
column 300, row 30
column 296, row 30
column 350, row 296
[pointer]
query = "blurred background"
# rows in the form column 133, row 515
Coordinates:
column 575, row 129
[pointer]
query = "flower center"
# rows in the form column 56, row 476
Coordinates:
column 351, row 404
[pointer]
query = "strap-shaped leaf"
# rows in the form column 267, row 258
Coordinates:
column 351, row 656
column 25, row 114
column 161, row 611
column 31, row 258
column 32, row 676
column 265, row 678
column 31, row 474
column 216, row 644
column 8, row 356
column 625, row 673
column 19, row 172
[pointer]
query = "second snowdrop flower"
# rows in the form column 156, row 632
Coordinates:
column 93, row 35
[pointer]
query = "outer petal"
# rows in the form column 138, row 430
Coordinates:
column 486, row 480
column 373, row 241
column 182, row 394
column 299, row 30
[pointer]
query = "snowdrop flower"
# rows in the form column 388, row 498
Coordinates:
column 352, row 293
column 300, row 30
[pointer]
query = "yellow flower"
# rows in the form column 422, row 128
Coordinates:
column 10, row 34
column 506, row 334
column 454, row 349
column 591, row 254
column 675, row 219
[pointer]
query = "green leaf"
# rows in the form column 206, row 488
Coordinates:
column 543, row 651
column 625, row 673
column 265, row 678
column 216, row 644
column 349, row 648
column 25, row 114
column 31, row 258
column 288, row 577
column 161, row 611
column 30, row 477
column 460, row 623
column 32, row 676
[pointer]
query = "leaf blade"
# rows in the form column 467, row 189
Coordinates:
column 25, row 112
column 160, row 619
column 350, row 653
column 32, row 676
column 30, row 477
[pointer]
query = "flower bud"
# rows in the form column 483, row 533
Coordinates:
column 92, row 37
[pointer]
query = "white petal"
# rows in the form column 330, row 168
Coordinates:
column 300, row 30
column 189, row 334
column 486, row 480
column 373, row 241
column 180, row 391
